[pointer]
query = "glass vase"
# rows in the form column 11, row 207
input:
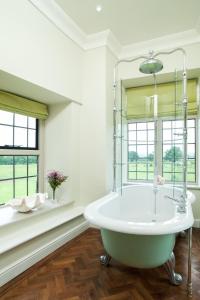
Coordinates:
column 54, row 194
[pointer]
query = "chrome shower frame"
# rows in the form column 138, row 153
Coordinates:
column 182, row 202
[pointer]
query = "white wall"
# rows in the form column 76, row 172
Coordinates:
column 96, row 125
column 92, row 126
column 62, row 144
column 34, row 49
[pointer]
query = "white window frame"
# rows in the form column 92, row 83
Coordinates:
column 159, row 148
column 39, row 152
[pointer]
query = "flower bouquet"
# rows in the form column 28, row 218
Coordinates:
column 55, row 179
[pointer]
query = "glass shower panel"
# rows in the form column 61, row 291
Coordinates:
column 118, row 136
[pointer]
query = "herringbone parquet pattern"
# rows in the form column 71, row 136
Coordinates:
column 74, row 273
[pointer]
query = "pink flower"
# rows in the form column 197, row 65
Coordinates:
column 55, row 178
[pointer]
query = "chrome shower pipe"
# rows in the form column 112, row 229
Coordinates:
column 182, row 205
column 115, row 110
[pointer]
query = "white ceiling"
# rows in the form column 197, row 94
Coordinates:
column 134, row 21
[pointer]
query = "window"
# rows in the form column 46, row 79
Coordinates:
column 140, row 150
column 19, row 156
column 169, row 149
column 18, row 131
column 172, row 155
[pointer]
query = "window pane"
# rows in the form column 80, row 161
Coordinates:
column 11, row 166
column 166, row 124
column 6, row 117
column 142, row 151
column 191, row 135
column 150, row 176
column 31, row 122
column 191, row 177
column 20, row 120
column 151, row 151
column 167, row 135
column 191, row 150
column 166, row 148
column 177, row 177
column 31, row 138
column 132, row 126
column 141, row 166
column 168, row 176
column 20, row 137
column 6, row 167
column 191, row 166
column 6, row 135
column 150, row 125
column 20, row 166
column 20, row 187
column 132, row 135
column 32, row 185
column 150, row 166
column 173, row 152
column 178, row 167
column 150, row 135
column 131, row 175
column 141, row 126
column 142, row 137
column 142, row 175
column 167, row 167
column 32, row 165
column 191, row 123
column 132, row 152
column 6, row 191
column 177, row 124
column 132, row 167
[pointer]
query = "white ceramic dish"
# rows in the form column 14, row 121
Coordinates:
column 26, row 204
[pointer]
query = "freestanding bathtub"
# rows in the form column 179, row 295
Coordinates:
column 131, row 231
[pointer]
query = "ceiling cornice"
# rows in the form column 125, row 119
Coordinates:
column 56, row 15
column 103, row 38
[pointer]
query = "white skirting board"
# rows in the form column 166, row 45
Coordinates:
column 26, row 262
column 196, row 223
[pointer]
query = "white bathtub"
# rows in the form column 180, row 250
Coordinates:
column 133, row 211
column 131, row 232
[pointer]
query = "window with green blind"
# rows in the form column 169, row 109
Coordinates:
column 19, row 145
column 170, row 147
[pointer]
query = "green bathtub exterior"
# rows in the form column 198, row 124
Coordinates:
column 140, row 251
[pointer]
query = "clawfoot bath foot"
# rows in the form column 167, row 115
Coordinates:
column 175, row 278
column 105, row 259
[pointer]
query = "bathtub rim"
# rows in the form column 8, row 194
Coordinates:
column 179, row 222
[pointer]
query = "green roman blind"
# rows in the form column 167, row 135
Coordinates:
column 140, row 100
column 13, row 103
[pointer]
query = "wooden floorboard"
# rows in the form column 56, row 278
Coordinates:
column 73, row 272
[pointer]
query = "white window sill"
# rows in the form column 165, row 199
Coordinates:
column 17, row 228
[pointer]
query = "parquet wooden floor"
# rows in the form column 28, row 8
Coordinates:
column 73, row 272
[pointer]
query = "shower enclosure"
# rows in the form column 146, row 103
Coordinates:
column 154, row 108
